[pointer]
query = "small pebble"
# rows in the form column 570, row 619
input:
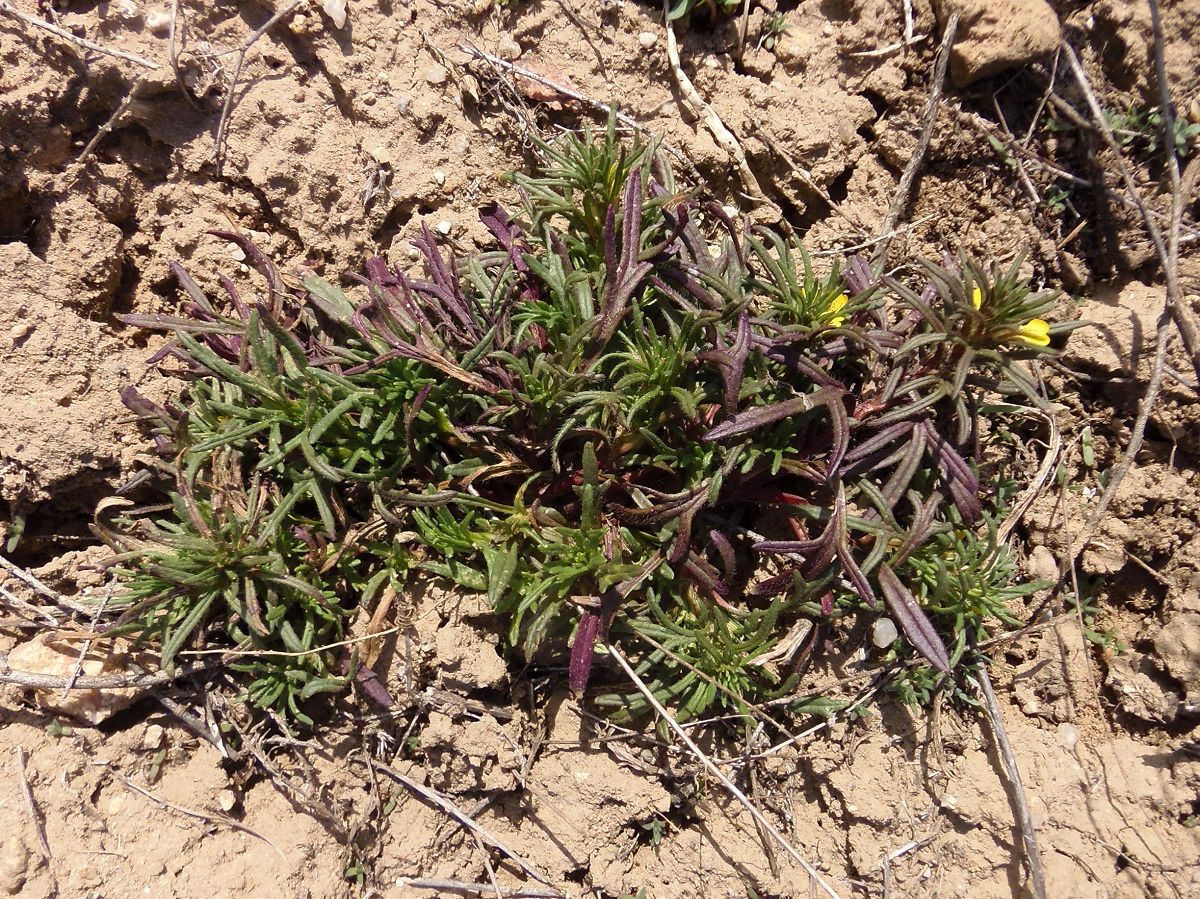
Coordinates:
column 439, row 177
column 647, row 39
column 153, row 737
column 444, row 227
column 382, row 155
column 436, row 75
column 507, row 48
column 884, row 633
column 236, row 253
column 1068, row 735
column 227, row 799
column 336, row 10
column 159, row 22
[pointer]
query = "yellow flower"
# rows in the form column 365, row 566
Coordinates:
column 1035, row 332
column 836, row 305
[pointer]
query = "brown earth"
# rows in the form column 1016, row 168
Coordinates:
column 342, row 142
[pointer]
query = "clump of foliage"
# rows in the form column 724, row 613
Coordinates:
column 630, row 418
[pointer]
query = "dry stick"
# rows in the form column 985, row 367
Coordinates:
column 587, row 35
column 1167, row 250
column 1039, row 482
column 79, row 41
column 802, row 173
column 1013, row 773
column 716, row 772
column 106, row 128
column 986, row 128
column 192, row 813
column 227, row 109
column 1173, row 301
column 94, row 682
column 904, row 188
column 31, row 809
column 702, row 110
column 29, row 608
column 32, row 582
column 173, row 58
column 475, row 889
column 569, row 93
column 87, row 644
column 435, row 798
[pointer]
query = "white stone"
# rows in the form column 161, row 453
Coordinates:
column 647, row 39
column 444, row 227
column 336, row 10
column 884, row 633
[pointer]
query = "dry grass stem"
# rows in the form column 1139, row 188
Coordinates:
column 31, row 809
column 721, row 134
column 716, row 772
column 1033, row 857
column 463, row 888
column 6, row 7
column 436, row 799
column 909, row 176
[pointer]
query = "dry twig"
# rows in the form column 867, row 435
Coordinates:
column 464, row 888
column 6, row 7
column 223, row 820
column 716, row 772
column 95, row 682
column 436, row 799
column 1033, row 857
column 904, row 188
column 703, row 111
column 1173, row 308
column 37, row 586
column 31, row 809
column 231, row 91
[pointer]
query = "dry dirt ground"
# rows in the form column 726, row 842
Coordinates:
column 341, row 143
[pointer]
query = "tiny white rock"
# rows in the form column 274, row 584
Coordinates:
column 444, row 227
column 128, row 10
column 647, row 39
column 1068, row 735
column 153, row 737
column 236, row 253
column 508, row 48
column 159, row 22
column 336, row 10
column 439, row 177
column 884, row 633
column 226, row 799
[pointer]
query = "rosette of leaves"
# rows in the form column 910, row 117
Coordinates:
column 630, row 418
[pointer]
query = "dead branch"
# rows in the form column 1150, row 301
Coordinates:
column 223, row 820
column 37, row 586
column 31, row 809
column 716, row 772
column 721, row 134
column 1033, row 857
column 443, row 803
column 227, row 109
column 476, row 889
column 6, row 7
column 95, row 682
column 904, row 188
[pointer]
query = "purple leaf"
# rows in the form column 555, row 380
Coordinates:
column 373, row 687
column 918, row 629
column 583, row 649
column 761, row 416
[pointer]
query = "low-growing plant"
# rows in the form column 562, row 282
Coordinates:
column 631, row 418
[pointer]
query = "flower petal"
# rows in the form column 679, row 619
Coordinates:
column 836, row 305
column 1035, row 332
column 976, row 297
